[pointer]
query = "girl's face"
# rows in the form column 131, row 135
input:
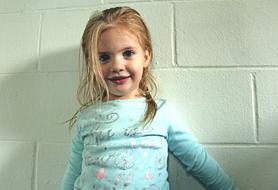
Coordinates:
column 122, row 61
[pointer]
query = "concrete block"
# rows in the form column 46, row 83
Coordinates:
column 251, row 167
column 34, row 105
column 61, row 39
column 215, row 105
column 227, row 33
column 267, row 89
column 53, row 4
column 11, row 5
column 16, row 5
column 52, row 160
column 160, row 24
column 57, row 105
column 16, row 165
column 19, row 41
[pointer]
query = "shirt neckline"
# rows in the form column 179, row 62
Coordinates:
column 139, row 100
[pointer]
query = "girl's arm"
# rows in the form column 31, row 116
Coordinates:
column 195, row 158
column 73, row 169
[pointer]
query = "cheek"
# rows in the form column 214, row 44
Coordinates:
column 139, row 73
column 134, row 69
column 104, row 71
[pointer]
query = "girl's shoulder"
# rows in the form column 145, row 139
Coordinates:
column 166, row 108
column 86, row 111
column 163, row 103
column 160, row 102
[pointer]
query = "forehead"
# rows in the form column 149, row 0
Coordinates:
column 116, row 38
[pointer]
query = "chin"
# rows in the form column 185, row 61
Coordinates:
column 122, row 96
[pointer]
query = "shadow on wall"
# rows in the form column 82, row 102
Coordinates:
column 32, row 106
column 34, row 144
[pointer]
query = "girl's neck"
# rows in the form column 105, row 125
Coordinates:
column 138, row 95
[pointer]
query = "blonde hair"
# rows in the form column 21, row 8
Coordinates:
column 92, row 88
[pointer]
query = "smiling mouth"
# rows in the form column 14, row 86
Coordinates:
column 119, row 79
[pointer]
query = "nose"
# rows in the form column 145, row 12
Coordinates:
column 117, row 64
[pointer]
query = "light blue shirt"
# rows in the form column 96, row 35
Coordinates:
column 111, row 150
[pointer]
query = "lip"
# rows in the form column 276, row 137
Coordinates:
column 119, row 79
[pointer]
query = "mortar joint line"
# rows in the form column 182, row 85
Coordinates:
column 39, row 42
column 255, row 105
column 174, row 35
column 35, row 166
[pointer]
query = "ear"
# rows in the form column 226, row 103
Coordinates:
column 147, row 58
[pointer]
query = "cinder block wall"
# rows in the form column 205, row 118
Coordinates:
column 216, row 61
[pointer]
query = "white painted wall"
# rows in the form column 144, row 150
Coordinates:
column 217, row 62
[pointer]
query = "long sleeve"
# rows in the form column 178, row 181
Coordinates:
column 195, row 158
column 73, row 169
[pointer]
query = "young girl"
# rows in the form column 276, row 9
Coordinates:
column 122, row 134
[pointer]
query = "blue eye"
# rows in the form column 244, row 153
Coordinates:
column 104, row 58
column 128, row 53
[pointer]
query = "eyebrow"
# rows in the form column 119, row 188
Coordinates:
column 123, row 49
